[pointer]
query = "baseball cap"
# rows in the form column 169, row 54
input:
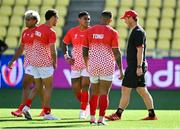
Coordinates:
column 32, row 14
column 129, row 13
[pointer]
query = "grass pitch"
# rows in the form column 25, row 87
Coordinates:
column 168, row 119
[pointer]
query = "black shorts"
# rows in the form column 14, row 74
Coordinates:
column 131, row 79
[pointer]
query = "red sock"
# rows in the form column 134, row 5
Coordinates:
column 28, row 102
column 47, row 110
column 21, row 107
column 103, row 104
column 78, row 96
column 93, row 104
column 84, row 100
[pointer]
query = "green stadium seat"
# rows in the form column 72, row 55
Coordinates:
column 176, row 35
column 152, row 23
column 168, row 12
column 13, row 31
column 112, row 3
column 62, row 2
column 4, row 21
column 166, row 23
column 16, row 21
column 35, row 2
column 155, row 3
column 5, row 10
column 19, row 10
column 11, row 41
column 22, row 2
column 126, row 3
column 151, row 34
column 153, row 12
column 8, row 2
column 140, row 3
column 169, row 4
column 3, row 31
column 164, row 34
column 48, row 3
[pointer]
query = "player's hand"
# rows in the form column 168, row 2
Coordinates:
column 121, row 75
column 139, row 71
column 70, row 61
column 10, row 64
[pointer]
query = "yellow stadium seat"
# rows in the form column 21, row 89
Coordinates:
column 121, row 23
column 8, row 2
column 112, row 3
column 62, row 10
column 122, row 11
column 141, row 21
column 43, row 9
column 176, row 44
column 155, row 3
column 122, row 44
column 113, row 10
column 9, row 52
column 48, row 2
column 4, row 21
column 16, row 21
column 141, row 12
column 152, row 23
column 166, row 23
column 11, row 41
column 153, row 12
column 168, row 12
column 13, row 31
column 140, row 3
column 178, row 12
column 123, row 33
column 176, row 35
column 163, row 45
column 62, row 2
column 22, row 2
column 164, row 34
column 19, row 10
column 169, row 3
column 35, row 2
column 126, row 3
column 150, row 44
column 33, row 7
column 3, row 31
column 151, row 34
column 61, row 21
column 58, row 31
column 5, row 10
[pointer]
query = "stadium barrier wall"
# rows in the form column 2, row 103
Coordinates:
column 162, row 74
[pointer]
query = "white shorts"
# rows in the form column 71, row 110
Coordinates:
column 79, row 73
column 42, row 72
column 28, row 70
column 95, row 79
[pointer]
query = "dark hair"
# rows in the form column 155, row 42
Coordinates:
column 106, row 14
column 83, row 13
column 50, row 13
column 135, row 19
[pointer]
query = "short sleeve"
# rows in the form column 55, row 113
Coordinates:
column 52, row 37
column 139, row 38
column 67, row 38
column 115, row 40
column 86, row 40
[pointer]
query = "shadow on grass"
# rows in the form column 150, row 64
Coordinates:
column 5, row 120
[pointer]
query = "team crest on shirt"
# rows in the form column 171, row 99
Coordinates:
column 98, row 36
column 37, row 33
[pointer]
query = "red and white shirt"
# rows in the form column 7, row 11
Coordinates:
column 100, row 39
column 76, row 37
column 27, row 39
column 44, row 36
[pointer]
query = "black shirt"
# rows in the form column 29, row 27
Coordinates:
column 136, row 38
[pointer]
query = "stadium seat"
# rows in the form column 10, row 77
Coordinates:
column 141, row 21
column 164, row 34
column 166, row 23
column 168, row 13
column 155, row 3
column 8, row 2
column 58, row 42
column 58, row 31
column 176, row 45
column 152, row 23
column 141, row 12
column 123, row 33
column 4, row 21
column 48, row 3
column 33, row 7
column 140, row 3
column 11, row 41
column 112, row 3
column 62, row 10
column 126, row 3
column 43, row 9
column 5, row 10
column 35, row 2
column 19, row 10
column 61, row 22
column 13, row 31
column 178, row 12
column 151, row 34
column 113, row 10
column 150, row 44
column 62, row 2
column 16, row 21
column 163, row 44
column 153, row 12
column 169, row 4
column 176, row 35
column 21, row 2
column 9, row 52
column 2, row 32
